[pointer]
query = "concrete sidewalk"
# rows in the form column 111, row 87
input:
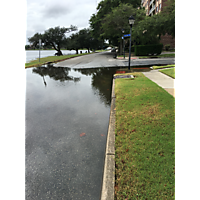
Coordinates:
column 162, row 80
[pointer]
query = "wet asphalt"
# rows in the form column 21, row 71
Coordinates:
column 67, row 116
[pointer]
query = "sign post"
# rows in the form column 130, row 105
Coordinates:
column 40, row 41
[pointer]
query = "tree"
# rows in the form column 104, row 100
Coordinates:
column 73, row 42
column 54, row 37
column 104, row 8
column 35, row 39
column 82, row 39
column 117, row 19
column 149, row 30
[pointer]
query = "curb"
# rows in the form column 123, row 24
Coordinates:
column 108, row 184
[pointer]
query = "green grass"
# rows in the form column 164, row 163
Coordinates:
column 169, row 72
column 164, row 66
column 53, row 59
column 145, row 140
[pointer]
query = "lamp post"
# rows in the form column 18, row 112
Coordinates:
column 123, row 43
column 131, row 22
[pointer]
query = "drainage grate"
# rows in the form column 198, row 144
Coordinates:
column 123, row 76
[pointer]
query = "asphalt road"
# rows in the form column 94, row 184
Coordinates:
column 106, row 59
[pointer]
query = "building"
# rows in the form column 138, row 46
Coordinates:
column 153, row 7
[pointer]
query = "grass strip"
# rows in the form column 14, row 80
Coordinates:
column 169, row 72
column 164, row 66
column 52, row 59
column 145, row 140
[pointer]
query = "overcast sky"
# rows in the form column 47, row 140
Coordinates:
column 44, row 14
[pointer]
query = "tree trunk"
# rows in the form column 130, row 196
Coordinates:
column 88, row 50
column 76, row 51
column 60, row 53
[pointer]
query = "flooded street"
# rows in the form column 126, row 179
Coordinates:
column 67, row 116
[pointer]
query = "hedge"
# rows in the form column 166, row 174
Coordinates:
column 145, row 50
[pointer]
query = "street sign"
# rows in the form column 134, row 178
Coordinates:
column 127, row 35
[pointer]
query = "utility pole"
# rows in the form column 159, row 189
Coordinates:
column 40, row 41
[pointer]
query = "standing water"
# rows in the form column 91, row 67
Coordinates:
column 67, row 116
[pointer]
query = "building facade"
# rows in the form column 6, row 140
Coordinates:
column 154, row 7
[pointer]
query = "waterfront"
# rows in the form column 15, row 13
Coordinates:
column 34, row 54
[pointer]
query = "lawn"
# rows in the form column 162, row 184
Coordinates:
column 163, row 66
column 145, row 140
column 53, row 59
column 169, row 72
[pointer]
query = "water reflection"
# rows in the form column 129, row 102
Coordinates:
column 101, row 81
column 56, row 73
column 101, row 78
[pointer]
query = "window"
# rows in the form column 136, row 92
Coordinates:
column 156, row 9
column 160, row 6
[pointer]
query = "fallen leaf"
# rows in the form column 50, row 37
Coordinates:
column 127, row 150
column 82, row 134
column 102, row 135
column 133, row 130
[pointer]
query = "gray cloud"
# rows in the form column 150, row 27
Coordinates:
column 44, row 14
column 56, row 11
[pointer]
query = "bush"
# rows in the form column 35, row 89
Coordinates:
column 145, row 50
column 133, row 48
column 167, row 47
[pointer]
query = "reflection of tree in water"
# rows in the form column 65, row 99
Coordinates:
column 101, row 81
column 101, row 78
column 56, row 73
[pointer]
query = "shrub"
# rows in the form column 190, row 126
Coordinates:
column 167, row 47
column 133, row 48
column 145, row 50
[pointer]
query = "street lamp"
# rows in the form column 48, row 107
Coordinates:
column 131, row 22
column 123, row 43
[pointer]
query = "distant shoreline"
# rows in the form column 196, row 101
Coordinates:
column 53, row 50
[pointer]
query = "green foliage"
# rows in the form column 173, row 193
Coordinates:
column 144, row 50
column 54, row 37
column 34, row 40
column 112, row 16
column 117, row 19
column 104, row 8
column 149, row 30
column 167, row 47
column 82, row 39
